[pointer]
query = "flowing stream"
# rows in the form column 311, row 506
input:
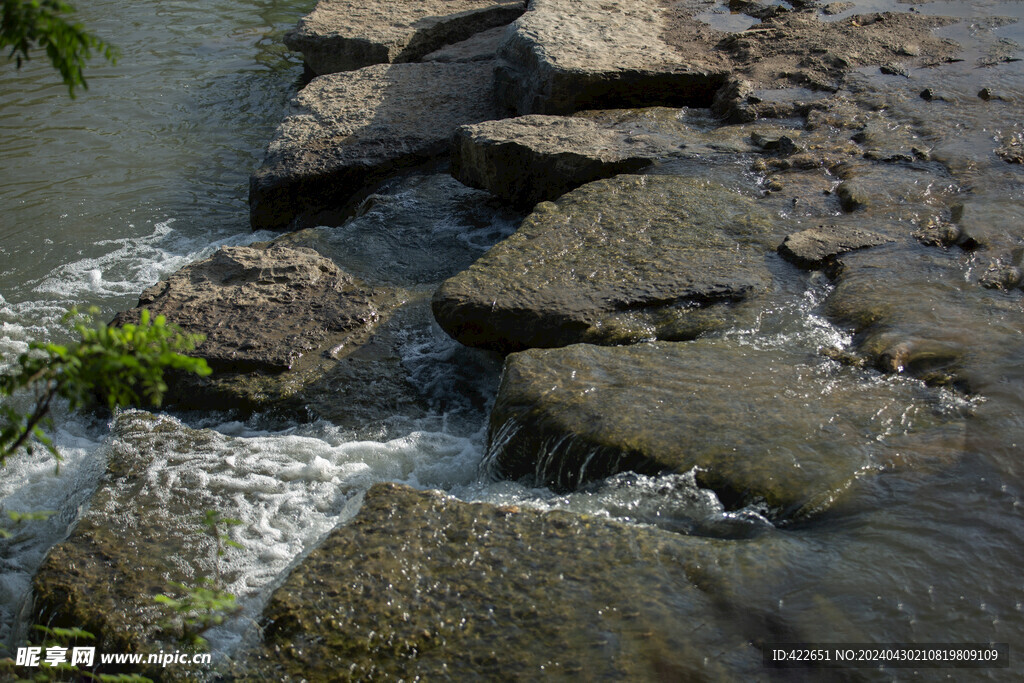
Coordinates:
column 147, row 171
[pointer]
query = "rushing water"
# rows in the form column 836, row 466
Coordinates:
column 147, row 171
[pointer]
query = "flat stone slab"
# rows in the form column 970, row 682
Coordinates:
column 566, row 55
column 344, row 132
column 421, row 584
column 815, row 247
column 614, row 261
column 260, row 307
column 533, row 158
column 343, row 35
column 778, row 426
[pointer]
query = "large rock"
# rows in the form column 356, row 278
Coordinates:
column 345, row 132
column 261, row 307
column 342, row 35
column 419, row 584
column 778, row 426
column 617, row 260
column 533, row 158
column 566, row 55
column 141, row 534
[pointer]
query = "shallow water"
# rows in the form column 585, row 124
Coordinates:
column 148, row 170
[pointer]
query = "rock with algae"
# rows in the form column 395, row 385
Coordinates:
column 616, row 260
column 420, row 584
column 773, row 425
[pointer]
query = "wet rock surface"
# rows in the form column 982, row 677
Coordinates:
column 342, row 35
column 535, row 158
column 414, row 231
column 346, row 132
column 815, row 247
column 425, row 584
column 567, row 416
column 142, row 533
column 614, row 261
column 932, row 334
column 261, row 308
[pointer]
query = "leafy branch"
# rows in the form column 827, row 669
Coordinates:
column 207, row 604
column 111, row 366
column 29, row 24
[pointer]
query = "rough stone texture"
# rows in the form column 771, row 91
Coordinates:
column 614, row 261
column 482, row 46
column 342, row 35
column 533, row 158
column 815, row 247
column 419, row 584
column 774, row 425
column 344, row 132
column 566, row 55
column 141, row 533
column 797, row 48
column 260, row 307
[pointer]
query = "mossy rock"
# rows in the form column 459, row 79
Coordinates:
column 776, row 426
column 420, row 584
column 614, row 261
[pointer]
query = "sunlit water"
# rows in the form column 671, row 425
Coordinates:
column 147, row 171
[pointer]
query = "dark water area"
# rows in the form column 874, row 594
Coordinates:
column 146, row 171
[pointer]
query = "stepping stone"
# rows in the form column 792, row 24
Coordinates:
column 567, row 55
column 614, row 261
column 343, row 35
column 776, row 426
column 534, row 158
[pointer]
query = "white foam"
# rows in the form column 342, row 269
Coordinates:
column 289, row 490
column 31, row 483
column 134, row 263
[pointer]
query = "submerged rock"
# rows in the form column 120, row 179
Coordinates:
column 261, row 307
column 419, row 584
column 914, row 312
column 345, row 132
column 815, row 247
column 533, row 158
column 614, row 261
column 416, row 230
column 774, row 425
column 342, row 35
